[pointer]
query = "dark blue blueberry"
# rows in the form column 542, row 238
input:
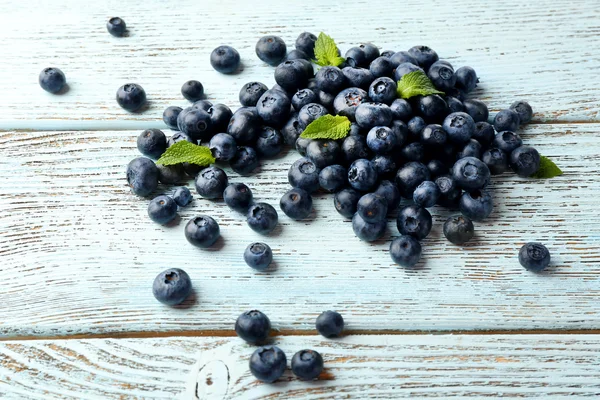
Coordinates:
column 471, row 149
column 385, row 166
column 262, row 218
column 131, row 97
column 383, row 90
column 346, row 101
column 330, row 80
column 178, row 137
column 484, row 133
column 405, row 68
column 142, row 176
column 368, row 231
column 302, row 98
column 524, row 110
column 301, row 145
column 506, row 120
column 433, row 108
column 245, row 160
column 152, row 143
column 426, row 194
column 441, row 76
column 414, row 151
column 356, row 57
column 362, row 175
column 401, row 110
column 415, row 221
column 253, row 326
column 387, row 53
column 454, row 104
column 296, row 203
column 371, row 51
column 292, row 130
column 238, row 197
column 355, row 147
column 289, row 93
column 201, row 105
column 326, row 99
column 381, row 139
column 116, row 27
column 291, row 75
column 271, row 49
column 251, row 92
column 244, row 126
column 389, row 191
column 296, row 55
column 323, row 152
column 333, row 178
column 459, row 229
column 525, row 161
column 345, row 202
column 382, row 66
column 459, row 126
column 308, row 69
column 470, row 173
column 368, row 115
column 372, row 208
column 171, row 174
column 507, row 141
column 400, row 130
column 409, row 177
column 192, row 90
column 223, row 146
column 445, row 63
column 434, row 135
column 449, row 191
column 211, row 182
column 402, row 57
column 477, row 205
column 304, row 174
column 225, row 59
column 424, row 55
column 307, row 364
column 415, row 126
column 195, row 123
column 191, row 169
column 274, row 108
column 310, row 113
column 220, row 115
column 182, row 196
column 436, row 168
column 405, row 251
column 330, row 324
column 52, row 80
column 306, row 43
column 496, row 160
column 534, row 256
column 358, row 77
column 162, row 209
column 202, row 231
column 170, row 116
column 477, row 109
column 466, row 79
column 172, row 286
column 268, row 363
column 269, row 142
column 258, row 256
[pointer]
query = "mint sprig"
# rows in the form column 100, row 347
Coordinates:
column 326, row 52
column 416, row 83
column 327, row 127
column 186, row 152
column 547, row 169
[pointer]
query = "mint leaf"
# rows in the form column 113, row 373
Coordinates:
column 327, row 127
column 416, row 83
column 187, row 152
column 326, row 52
column 547, row 169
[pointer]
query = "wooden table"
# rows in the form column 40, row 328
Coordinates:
column 78, row 254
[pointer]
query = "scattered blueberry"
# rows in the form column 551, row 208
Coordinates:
column 244, row 126
column 131, row 97
column 52, row 80
column 274, row 108
column 426, row 194
column 268, row 363
column 345, row 202
column 389, row 191
column 211, row 182
column 262, row 218
column 225, row 59
column 238, row 197
column 258, row 256
column 307, row 364
column 195, row 123
column 477, row 205
column 496, row 160
column 220, row 115
column 297, row 54
column 253, row 326
column 405, row 251
column 459, row 229
column 162, row 209
column 269, row 142
column 306, row 43
column 459, row 126
column 442, row 76
column 223, row 146
column 333, row 178
column 192, row 90
column 296, row 204
column 271, row 49
column 506, row 120
column 415, row 221
column 142, row 176
column 172, row 286
column 171, row 174
column 367, row 231
column 372, row 208
column 330, row 324
column 466, row 79
column 202, row 231
column 525, row 161
column 534, row 256
column 524, row 110
column 470, row 173
column 304, row 174
column 507, row 141
column 411, row 175
column 477, row 109
column 424, row 55
column 292, row 75
column 152, row 143
column 251, row 92
column 201, row 105
column 484, row 133
column 170, row 116
column 116, row 26
column 182, row 196
column 245, row 160
column 362, row 175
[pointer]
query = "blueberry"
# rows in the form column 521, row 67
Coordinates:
column 292, row 130
column 254, row 326
column 484, row 133
column 326, row 99
column 459, row 126
column 301, row 145
column 191, row 169
column 220, row 115
column 449, row 191
column 477, row 109
column 225, row 59
column 382, row 66
column 330, row 324
column 296, row 203
column 506, row 120
column 477, row 205
column 171, row 174
column 131, row 97
column 306, row 43
column 381, row 139
column 368, row 115
column 459, row 229
column 434, row 135
column 507, row 141
column 433, row 108
column 302, row 98
column 142, row 176
column 52, row 80
column 401, row 110
column 345, row 202
column 269, row 142
column 383, row 90
column 368, row 231
column 403, row 57
column 426, row 194
column 202, row 231
column 410, row 176
column 362, row 175
column 307, row 364
column 116, row 27
column 424, row 55
column 524, row 110
column 304, row 174
column 534, row 256
column 405, row 251
column 346, row 101
column 211, row 182
column 415, row 125
column 405, row 68
column 496, row 160
column 292, row 75
column 192, row 90
column 258, row 256
column 442, row 76
column 195, row 123
column 354, row 147
column 413, row 151
column 244, row 126
column 170, row 116
column 371, row 51
column 466, row 79
column 271, row 49
column 245, row 160
column 201, row 105
column 400, row 130
column 172, row 286
column 356, row 57
column 358, row 77
column 152, row 143
column 296, row 55
column 289, row 93
column 415, row 221
column 436, row 168
column 470, row 173
column 262, row 218
column 525, row 161
column 385, row 166
column 330, row 80
column 223, row 146
column 162, row 209
column 274, row 108
column 471, row 149
column 178, row 137
column 454, row 104
column 372, row 208
column 251, row 92
column 389, row 191
column 333, row 178
column 182, row 196
column 323, row 152
column 310, row 113
column 238, row 197
column 387, row 53
column 268, row 363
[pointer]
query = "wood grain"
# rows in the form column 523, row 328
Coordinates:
column 540, row 51
column 79, row 253
column 356, row 367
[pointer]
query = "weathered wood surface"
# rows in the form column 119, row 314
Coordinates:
column 542, row 51
column 79, row 252
column 356, row 367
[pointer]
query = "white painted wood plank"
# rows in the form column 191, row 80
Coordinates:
column 541, row 51
column 79, row 253
column 357, row 367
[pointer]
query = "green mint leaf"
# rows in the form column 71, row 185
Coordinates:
column 327, row 127
column 326, row 52
column 187, row 152
column 416, row 83
column 547, row 169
